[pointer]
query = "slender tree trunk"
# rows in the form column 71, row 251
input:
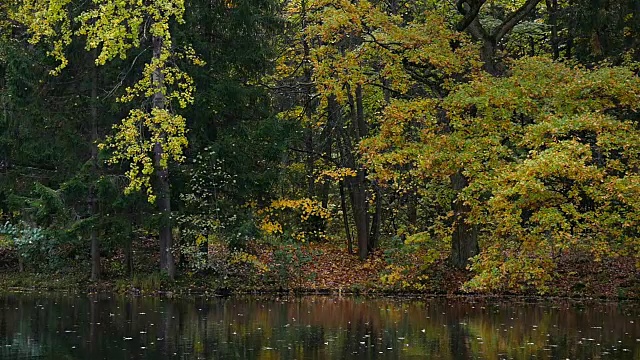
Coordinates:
column 93, row 201
column 358, row 196
column 360, row 213
column 164, row 205
column 359, row 204
column 162, row 174
column 308, row 131
column 491, row 39
column 374, row 234
column 464, row 239
column 326, row 186
column 128, row 245
column 309, row 162
column 345, row 218
column 358, row 190
column 552, row 8
column 363, row 128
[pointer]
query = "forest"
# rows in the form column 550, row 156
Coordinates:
column 465, row 146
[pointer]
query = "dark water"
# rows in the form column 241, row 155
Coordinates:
column 36, row 326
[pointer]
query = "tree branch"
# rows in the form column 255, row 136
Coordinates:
column 513, row 19
column 470, row 11
column 477, row 31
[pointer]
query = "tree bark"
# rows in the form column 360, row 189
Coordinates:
column 163, row 190
column 359, row 205
column 360, row 213
column 374, row 234
column 357, row 185
column 488, row 56
column 308, row 131
column 552, row 8
column 464, row 239
column 345, row 218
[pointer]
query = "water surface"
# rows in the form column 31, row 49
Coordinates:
column 38, row 326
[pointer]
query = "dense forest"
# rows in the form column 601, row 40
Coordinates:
column 469, row 145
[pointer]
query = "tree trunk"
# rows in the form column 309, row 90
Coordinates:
column 93, row 201
column 164, row 205
column 309, row 161
column 488, row 56
column 374, row 234
column 308, row 131
column 360, row 213
column 464, row 239
column 358, row 190
column 162, row 174
column 345, row 218
column 552, row 8
column 363, row 128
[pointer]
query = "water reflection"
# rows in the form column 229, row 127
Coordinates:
column 106, row 327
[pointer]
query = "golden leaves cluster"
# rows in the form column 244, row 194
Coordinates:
column 129, row 144
column 46, row 20
column 115, row 27
column 305, row 209
column 358, row 43
column 551, row 153
column 547, row 164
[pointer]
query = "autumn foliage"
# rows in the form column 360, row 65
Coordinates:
column 421, row 136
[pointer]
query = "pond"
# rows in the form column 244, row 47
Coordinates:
column 56, row 326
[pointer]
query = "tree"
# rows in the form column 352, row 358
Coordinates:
column 150, row 136
column 597, row 30
column 363, row 58
column 550, row 168
column 490, row 38
column 553, row 168
column 236, row 142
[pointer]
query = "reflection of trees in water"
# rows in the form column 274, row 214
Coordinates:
column 20, row 346
column 314, row 328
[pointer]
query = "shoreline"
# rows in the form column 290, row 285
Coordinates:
column 179, row 289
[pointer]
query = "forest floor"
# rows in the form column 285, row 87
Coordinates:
column 330, row 269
